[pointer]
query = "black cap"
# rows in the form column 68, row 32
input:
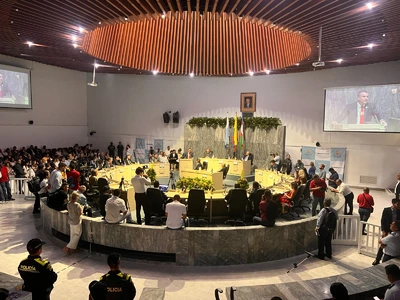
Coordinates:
column 34, row 245
column 113, row 259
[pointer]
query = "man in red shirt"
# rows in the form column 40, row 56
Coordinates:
column 75, row 177
column 5, row 184
column 365, row 202
column 268, row 210
column 318, row 188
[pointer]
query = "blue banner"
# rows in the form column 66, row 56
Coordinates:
column 140, row 143
column 158, row 143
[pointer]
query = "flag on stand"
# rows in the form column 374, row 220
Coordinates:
column 227, row 133
column 241, row 135
column 235, row 134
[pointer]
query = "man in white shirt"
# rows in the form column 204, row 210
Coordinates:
column 393, row 275
column 139, row 183
column 56, row 178
column 391, row 242
column 348, row 196
column 175, row 213
column 116, row 210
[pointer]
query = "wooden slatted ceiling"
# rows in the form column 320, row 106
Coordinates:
column 348, row 26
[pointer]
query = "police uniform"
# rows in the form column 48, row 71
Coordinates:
column 119, row 285
column 38, row 276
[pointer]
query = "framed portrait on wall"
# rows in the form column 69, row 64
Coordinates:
column 248, row 102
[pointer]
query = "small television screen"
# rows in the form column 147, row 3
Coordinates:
column 15, row 87
column 374, row 108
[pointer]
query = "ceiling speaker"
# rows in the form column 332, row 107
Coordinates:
column 166, row 117
column 175, row 117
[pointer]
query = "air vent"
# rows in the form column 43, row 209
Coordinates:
column 368, row 179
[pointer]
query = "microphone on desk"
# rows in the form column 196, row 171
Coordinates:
column 121, row 183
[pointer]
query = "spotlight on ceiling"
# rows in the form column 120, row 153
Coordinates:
column 297, row 64
column 370, row 5
column 73, row 37
column 29, row 44
column 251, row 73
column 126, row 18
column 267, row 71
column 383, row 34
column 339, row 61
column 371, row 46
column 191, row 74
column 75, row 45
column 155, row 72
column 96, row 65
column 80, row 29
column 163, row 16
column 99, row 22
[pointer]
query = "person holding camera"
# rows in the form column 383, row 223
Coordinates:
column 139, row 183
column 348, row 196
column 318, row 188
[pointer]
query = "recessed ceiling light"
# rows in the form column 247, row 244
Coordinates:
column 299, row 32
column 16, row 9
column 18, row 33
column 12, row 22
column 231, row 74
column 29, row 44
column 371, row 46
column 268, row 71
column 383, row 34
column 73, row 37
column 297, row 64
column 75, row 45
column 120, row 67
column 251, row 73
column 370, row 5
column 191, row 74
column 339, row 61
column 99, row 22
column 126, row 18
column 155, row 72
column 96, row 65
column 163, row 16
column 80, row 29
column 80, row 51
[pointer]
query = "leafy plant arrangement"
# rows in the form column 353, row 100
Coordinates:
column 244, row 184
column 187, row 184
column 152, row 174
column 265, row 123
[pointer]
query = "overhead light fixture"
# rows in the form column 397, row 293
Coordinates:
column 297, row 64
column 99, row 22
column 73, row 37
column 383, row 34
column 339, row 61
column 80, row 29
column 155, row 72
column 267, row 71
column 370, row 5
column 126, row 18
column 75, row 45
column 120, row 67
column 163, row 16
column 16, row 9
column 251, row 73
column 29, row 44
column 371, row 46
column 191, row 74
column 96, row 65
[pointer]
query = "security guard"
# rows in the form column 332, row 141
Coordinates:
column 37, row 273
column 119, row 285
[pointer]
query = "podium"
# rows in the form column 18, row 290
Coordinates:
column 359, row 127
column 185, row 164
column 235, row 166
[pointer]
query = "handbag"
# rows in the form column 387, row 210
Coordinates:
column 372, row 208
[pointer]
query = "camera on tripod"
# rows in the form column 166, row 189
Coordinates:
column 171, row 174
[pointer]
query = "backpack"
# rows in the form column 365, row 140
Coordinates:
column 330, row 220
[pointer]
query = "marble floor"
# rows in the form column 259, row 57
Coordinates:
column 18, row 225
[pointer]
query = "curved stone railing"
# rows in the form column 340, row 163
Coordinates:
column 197, row 245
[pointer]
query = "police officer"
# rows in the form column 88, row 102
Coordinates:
column 119, row 285
column 37, row 273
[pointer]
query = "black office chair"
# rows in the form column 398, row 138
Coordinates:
column 291, row 208
column 205, row 165
column 157, row 210
column 306, row 193
column 301, row 191
column 102, row 182
column 256, row 202
column 237, row 207
column 225, row 172
column 196, row 206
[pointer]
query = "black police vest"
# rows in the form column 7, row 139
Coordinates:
column 117, row 285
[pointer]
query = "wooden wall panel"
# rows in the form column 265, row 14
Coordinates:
column 212, row 44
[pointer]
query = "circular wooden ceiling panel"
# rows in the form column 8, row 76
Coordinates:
column 207, row 45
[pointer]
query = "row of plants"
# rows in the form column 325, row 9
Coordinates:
column 186, row 184
column 265, row 123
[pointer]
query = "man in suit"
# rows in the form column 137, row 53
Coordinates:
column 397, row 187
column 389, row 215
column 224, row 170
column 208, row 153
column 360, row 112
column 188, row 154
column 120, row 150
column 173, row 157
column 248, row 156
column 248, row 103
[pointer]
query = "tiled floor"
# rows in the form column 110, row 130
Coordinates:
column 18, row 225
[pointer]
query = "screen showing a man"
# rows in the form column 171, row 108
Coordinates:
column 14, row 87
column 368, row 109
column 248, row 103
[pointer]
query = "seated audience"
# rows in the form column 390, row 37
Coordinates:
column 157, row 186
column 272, row 166
column 339, row 291
column 393, row 275
column 175, row 213
column 287, row 198
column 198, row 165
column 208, row 153
column 116, row 210
column 391, row 242
column 73, row 177
column 59, row 199
column 252, row 199
column 103, row 200
column 93, row 181
column 128, row 161
column 118, row 161
column 87, row 209
column 119, row 285
column 268, row 210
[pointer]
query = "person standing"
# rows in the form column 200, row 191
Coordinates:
column 393, row 275
column 37, row 273
column 389, row 215
column 324, row 230
column 56, row 178
column 348, row 196
column 366, row 203
column 120, row 150
column 139, row 183
column 397, row 187
column 289, row 164
column 311, row 170
column 332, row 178
column 322, row 172
column 75, row 223
column 119, row 285
column 111, row 150
column 175, row 213
column 318, row 188
column 73, row 177
column 391, row 242
column 5, row 183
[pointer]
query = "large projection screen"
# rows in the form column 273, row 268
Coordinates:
column 15, row 87
column 374, row 108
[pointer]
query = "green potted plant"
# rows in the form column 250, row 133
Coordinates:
column 244, row 184
column 152, row 175
column 186, row 184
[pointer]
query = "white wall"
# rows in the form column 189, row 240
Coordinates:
column 59, row 112
column 124, row 107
